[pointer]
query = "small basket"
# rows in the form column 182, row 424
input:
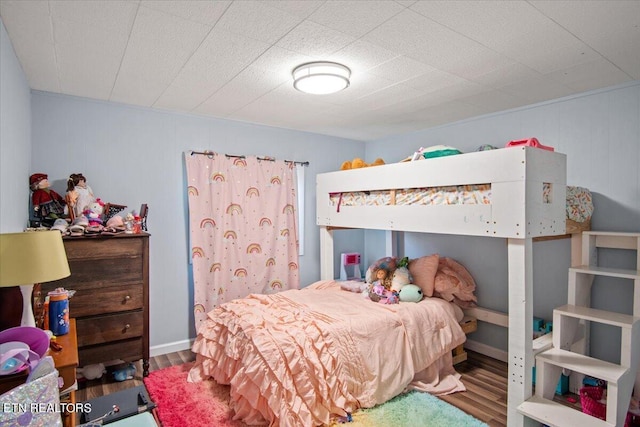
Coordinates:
column 590, row 397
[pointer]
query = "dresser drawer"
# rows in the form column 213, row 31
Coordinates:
column 98, row 249
column 113, row 327
column 128, row 350
column 95, row 274
column 110, row 299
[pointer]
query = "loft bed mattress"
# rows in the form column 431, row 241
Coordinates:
column 517, row 192
column 579, row 205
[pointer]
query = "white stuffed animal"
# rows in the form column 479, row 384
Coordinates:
column 400, row 279
column 92, row 372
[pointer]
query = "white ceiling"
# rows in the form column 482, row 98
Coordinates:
column 415, row 64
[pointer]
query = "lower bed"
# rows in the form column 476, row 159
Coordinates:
column 299, row 357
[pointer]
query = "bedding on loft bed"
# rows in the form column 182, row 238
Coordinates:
column 579, row 204
column 298, row 357
column 513, row 192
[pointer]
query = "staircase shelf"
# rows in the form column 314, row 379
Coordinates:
column 570, row 341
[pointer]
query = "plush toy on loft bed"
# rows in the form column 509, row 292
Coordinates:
column 358, row 163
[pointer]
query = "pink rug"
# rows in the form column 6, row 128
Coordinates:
column 181, row 403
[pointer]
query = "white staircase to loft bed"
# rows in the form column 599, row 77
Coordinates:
column 571, row 342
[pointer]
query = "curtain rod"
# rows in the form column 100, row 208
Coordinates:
column 271, row 159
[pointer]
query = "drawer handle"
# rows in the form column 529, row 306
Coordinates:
column 126, row 298
column 127, row 326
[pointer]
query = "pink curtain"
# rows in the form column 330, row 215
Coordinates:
column 242, row 220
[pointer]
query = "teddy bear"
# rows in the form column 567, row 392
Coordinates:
column 358, row 163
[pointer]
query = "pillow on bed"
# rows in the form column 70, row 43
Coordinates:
column 454, row 283
column 423, row 270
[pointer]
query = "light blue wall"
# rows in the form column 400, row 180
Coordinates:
column 600, row 134
column 15, row 139
column 134, row 155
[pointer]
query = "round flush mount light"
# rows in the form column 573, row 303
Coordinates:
column 321, row 78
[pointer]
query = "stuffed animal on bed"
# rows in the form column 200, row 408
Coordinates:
column 378, row 293
column 401, row 275
column 411, row 293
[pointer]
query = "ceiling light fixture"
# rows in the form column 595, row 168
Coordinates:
column 321, row 78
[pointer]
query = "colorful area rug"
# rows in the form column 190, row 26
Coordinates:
column 181, row 403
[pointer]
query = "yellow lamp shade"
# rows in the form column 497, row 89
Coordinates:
column 32, row 257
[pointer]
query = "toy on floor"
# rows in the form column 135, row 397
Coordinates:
column 92, row 372
column 125, row 373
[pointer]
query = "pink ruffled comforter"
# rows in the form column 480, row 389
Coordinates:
column 299, row 356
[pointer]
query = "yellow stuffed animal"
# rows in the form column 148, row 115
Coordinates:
column 359, row 163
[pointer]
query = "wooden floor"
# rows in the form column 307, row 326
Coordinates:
column 484, row 377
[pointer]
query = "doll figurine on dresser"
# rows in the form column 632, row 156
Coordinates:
column 47, row 204
column 79, row 195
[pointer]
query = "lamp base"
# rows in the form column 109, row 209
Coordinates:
column 27, row 311
column 10, row 307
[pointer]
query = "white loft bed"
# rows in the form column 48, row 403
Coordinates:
column 518, row 211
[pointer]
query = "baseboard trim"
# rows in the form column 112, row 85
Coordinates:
column 487, row 350
column 172, row 347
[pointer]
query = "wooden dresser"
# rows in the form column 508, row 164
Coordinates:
column 110, row 275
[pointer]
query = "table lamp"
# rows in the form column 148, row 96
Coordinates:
column 26, row 259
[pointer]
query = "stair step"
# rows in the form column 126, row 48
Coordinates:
column 587, row 365
column 542, row 343
column 600, row 316
column 557, row 415
column 606, row 271
column 616, row 240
